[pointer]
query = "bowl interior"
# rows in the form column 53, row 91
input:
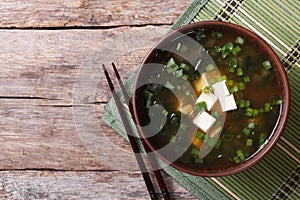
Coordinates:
column 155, row 61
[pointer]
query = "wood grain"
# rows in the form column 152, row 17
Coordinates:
column 45, row 63
column 38, row 70
column 36, row 135
column 74, row 13
column 79, row 185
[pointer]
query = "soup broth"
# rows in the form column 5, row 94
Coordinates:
column 191, row 65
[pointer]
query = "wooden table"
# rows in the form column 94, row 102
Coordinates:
column 44, row 47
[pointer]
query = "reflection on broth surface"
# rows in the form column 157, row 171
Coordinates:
column 234, row 101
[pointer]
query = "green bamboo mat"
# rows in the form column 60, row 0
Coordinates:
column 277, row 175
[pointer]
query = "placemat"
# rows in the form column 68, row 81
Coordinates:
column 277, row 175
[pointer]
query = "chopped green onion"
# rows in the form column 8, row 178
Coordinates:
column 263, row 136
column 236, row 50
column 218, row 144
column 240, row 40
column 277, row 102
column 239, row 71
column 181, row 47
column 184, row 66
column 201, row 106
column 165, row 112
column 200, row 135
column 179, row 73
column 251, row 125
column 261, row 110
column 249, row 142
column 234, row 89
column 267, row 107
column 185, row 77
column 255, row 112
column 207, row 89
column 200, row 35
column 169, row 85
column 240, row 154
column 247, row 103
column 218, row 49
column 262, row 139
column 195, row 151
column 217, row 34
column 172, row 138
column 178, row 87
column 228, row 46
column 231, row 69
column 171, row 63
column 233, row 63
column 241, row 86
column 267, row 64
column 247, row 79
column 224, row 54
column 236, row 159
column 241, row 103
column 171, row 70
column 212, row 81
column 210, row 67
column 230, row 82
column 149, row 96
column 239, row 136
column 223, row 78
column 246, row 131
column 249, row 112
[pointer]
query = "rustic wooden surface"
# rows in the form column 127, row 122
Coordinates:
column 70, row 13
column 44, row 45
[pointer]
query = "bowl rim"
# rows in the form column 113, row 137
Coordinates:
column 282, row 118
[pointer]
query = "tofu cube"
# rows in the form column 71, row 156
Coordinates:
column 220, row 89
column 227, row 103
column 209, row 98
column 204, row 121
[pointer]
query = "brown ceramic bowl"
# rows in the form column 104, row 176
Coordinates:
column 145, row 70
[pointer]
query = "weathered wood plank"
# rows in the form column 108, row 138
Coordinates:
column 46, row 63
column 35, row 134
column 38, row 70
column 79, row 185
column 73, row 13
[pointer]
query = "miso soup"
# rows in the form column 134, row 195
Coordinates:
column 239, row 106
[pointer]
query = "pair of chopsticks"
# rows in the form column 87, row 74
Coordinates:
column 132, row 139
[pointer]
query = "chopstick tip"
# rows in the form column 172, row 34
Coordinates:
column 103, row 66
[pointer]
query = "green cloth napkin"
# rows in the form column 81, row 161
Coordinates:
column 277, row 175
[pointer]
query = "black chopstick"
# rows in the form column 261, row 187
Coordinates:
column 132, row 140
column 153, row 162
